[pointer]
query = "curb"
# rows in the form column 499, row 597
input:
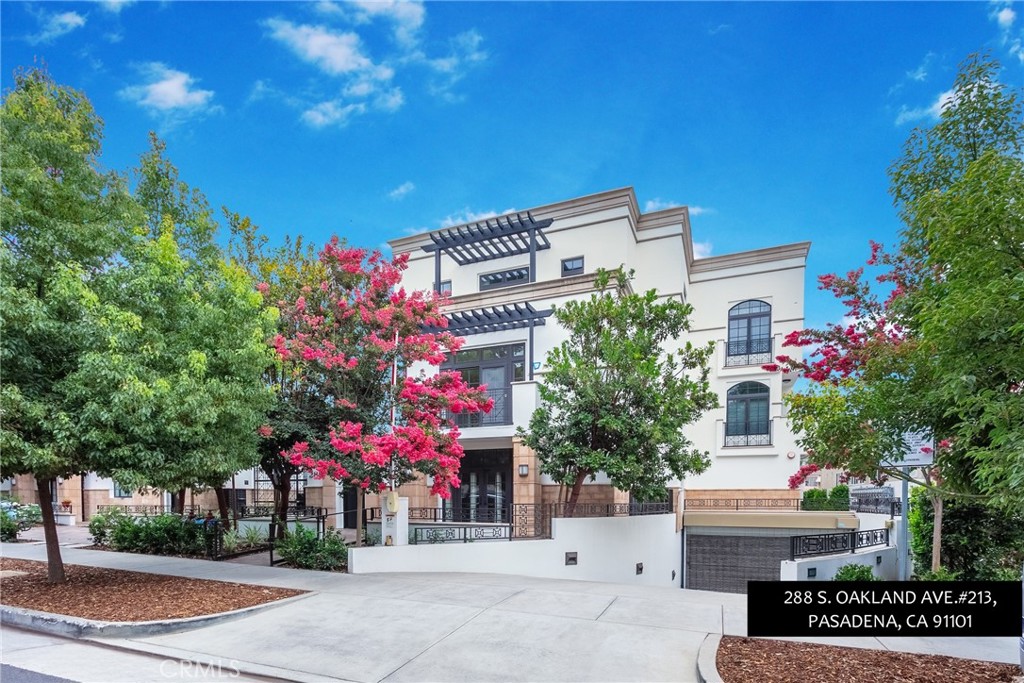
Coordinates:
column 707, row 670
column 76, row 627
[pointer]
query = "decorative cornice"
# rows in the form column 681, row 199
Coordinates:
column 797, row 250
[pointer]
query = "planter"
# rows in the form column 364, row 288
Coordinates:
column 64, row 518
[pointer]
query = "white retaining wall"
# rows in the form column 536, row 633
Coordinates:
column 607, row 549
column 828, row 565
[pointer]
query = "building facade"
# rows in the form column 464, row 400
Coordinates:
column 503, row 276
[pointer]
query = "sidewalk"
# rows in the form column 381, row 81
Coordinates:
column 464, row 627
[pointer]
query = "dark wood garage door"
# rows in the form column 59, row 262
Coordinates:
column 726, row 563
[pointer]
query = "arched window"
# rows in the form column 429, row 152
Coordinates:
column 746, row 415
column 750, row 334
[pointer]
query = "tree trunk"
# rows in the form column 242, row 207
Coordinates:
column 282, row 489
column 359, row 516
column 54, row 563
column 937, row 532
column 222, row 504
column 570, row 506
column 178, row 502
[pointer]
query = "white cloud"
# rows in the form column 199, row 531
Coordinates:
column 166, row 90
column 933, row 111
column 407, row 16
column 392, row 100
column 115, row 6
column 332, row 113
column 402, row 190
column 464, row 51
column 715, row 30
column 53, row 26
column 658, row 204
column 333, row 52
column 1005, row 17
column 921, row 72
column 701, row 250
column 469, row 216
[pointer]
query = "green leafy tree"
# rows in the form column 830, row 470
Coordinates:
column 176, row 394
column 616, row 398
column 944, row 352
column 63, row 224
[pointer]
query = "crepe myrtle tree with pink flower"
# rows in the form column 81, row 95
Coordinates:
column 351, row 338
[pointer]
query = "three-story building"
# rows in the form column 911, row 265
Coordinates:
column 504, row 275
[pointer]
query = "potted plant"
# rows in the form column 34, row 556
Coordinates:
column 65, row 505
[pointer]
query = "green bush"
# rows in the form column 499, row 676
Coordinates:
column 229, row 541
column 301, row 548
column 942, row 575
column 102, row 523
column 8, row 529
column 854, row 572
column 166, row 534
column 979, row 543
column 839, row 492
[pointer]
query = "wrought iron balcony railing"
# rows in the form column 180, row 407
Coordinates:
column 748, row 433
column 501, row 413
column 748, row 352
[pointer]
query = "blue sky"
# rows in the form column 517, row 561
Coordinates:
column 774, row 122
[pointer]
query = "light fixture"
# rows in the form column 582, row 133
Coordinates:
column 524, row 470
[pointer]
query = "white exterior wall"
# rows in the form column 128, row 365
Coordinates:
column 607, row 549
column 881, row 560
column 608, row 230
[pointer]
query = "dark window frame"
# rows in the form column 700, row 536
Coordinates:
column 740, row 429
column 522, row 273
column 445, row 290
column 567, row 272
column 742, row 346
column 122, row 493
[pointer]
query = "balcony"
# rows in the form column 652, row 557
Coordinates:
column 501, row 413
column 753, row 433
column 756, row 351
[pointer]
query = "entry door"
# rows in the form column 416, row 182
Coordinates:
column 486, row 487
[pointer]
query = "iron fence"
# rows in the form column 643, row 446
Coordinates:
column 460, row 533
column 833, row 544
column 271, row 511
column 146, row 510
column 879, row 506
column 741, row 504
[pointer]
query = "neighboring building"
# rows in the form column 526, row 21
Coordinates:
column 505, row 273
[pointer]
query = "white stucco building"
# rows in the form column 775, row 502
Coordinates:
column 504, row 274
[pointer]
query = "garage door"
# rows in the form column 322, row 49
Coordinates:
column 726, row 563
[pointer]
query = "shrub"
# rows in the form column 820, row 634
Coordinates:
column 839, row 492
column 854, row 572
column 254, row 536
column 301, row 548
column 942, row 575
column 166, row 534
column 229, row 541
column 8, row 529
column 102, row 523
column 814, row 499
column 979, row 543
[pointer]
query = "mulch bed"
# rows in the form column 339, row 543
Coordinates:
column 117, row 595
column 755, row 660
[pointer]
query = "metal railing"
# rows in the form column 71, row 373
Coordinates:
column 741, row 503
column 519, row 520
column 879, row 506
column 748, row 352
column 750, row 433
column 146, row 510
column 244, row 511
column 834, row 544
column 501, row 412
column 460, row 534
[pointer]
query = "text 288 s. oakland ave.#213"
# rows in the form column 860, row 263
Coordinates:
column 925, row 608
